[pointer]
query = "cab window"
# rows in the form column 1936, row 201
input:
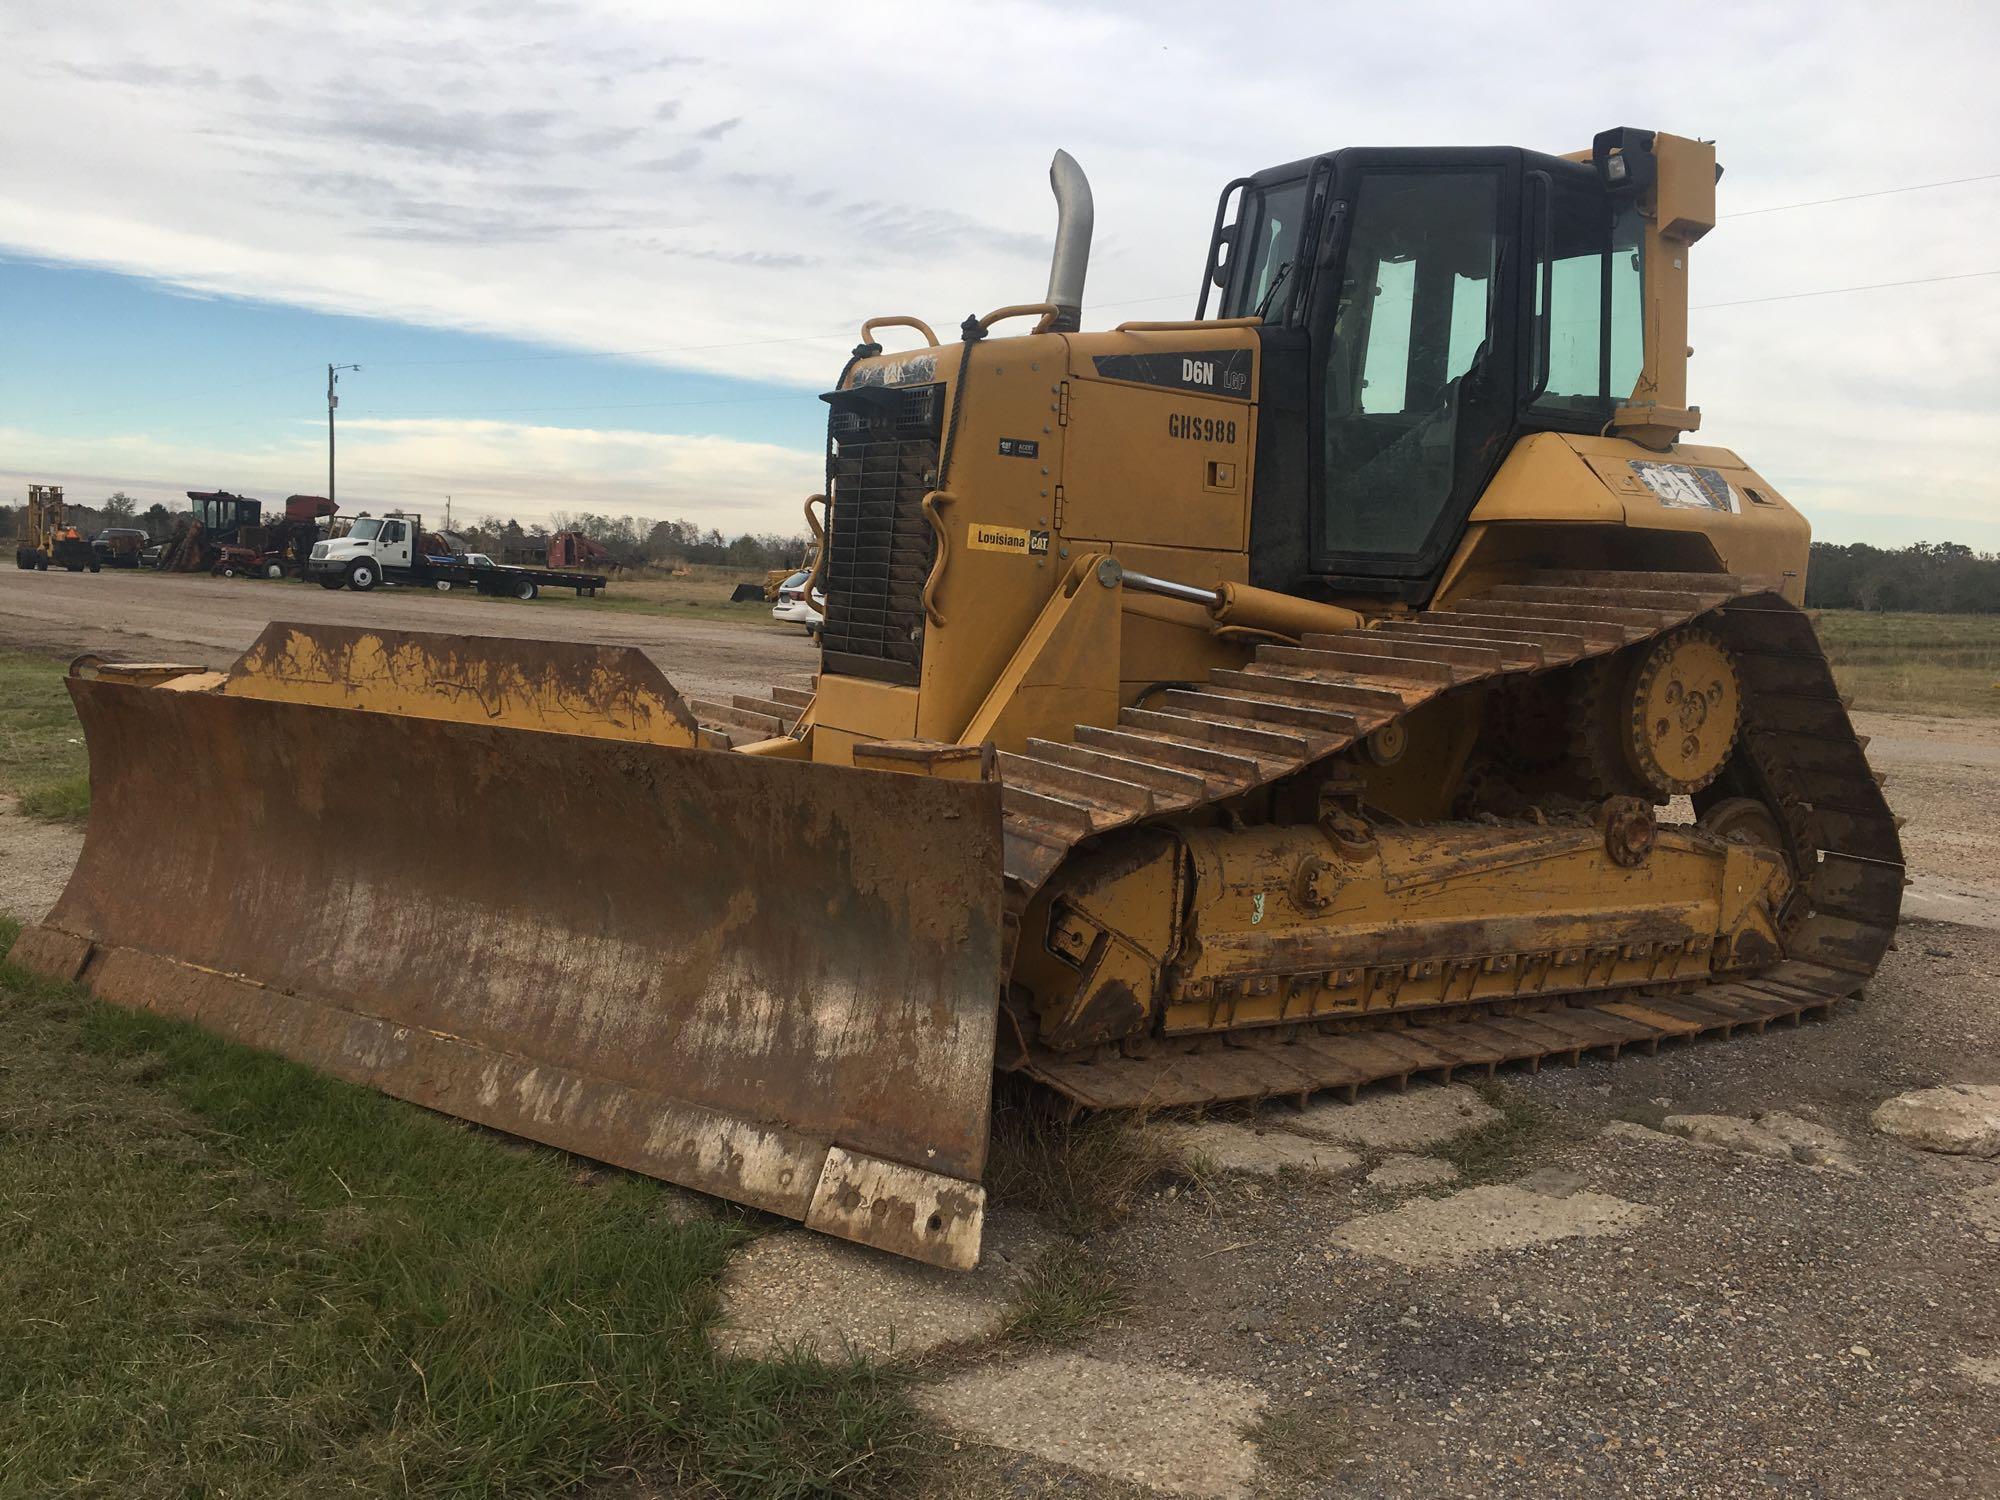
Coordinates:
column 1412, row 343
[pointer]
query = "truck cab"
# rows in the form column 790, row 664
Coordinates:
column 378, row 547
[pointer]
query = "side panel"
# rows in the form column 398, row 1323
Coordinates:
column 1560, row 501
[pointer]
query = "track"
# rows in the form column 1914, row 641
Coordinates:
column 1294, row 705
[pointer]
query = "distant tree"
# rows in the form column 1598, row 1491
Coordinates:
column 159, row 520
column 119, row 509
column 1927, row 577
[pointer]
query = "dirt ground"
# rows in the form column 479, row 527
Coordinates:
column 210, row 621
column 1703, row 1273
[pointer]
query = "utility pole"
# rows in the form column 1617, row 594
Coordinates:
column 331, row 402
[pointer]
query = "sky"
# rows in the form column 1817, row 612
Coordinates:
column 601, row 256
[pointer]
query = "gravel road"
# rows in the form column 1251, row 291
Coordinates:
column 210, row 621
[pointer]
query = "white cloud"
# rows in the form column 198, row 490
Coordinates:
column 606, row 175
column 487, row 467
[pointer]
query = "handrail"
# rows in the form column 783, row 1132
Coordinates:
column 932, row 502
column 1047, row 310
column 897, row 320
column 1172, row 326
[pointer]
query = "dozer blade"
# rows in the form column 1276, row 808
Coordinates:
column 766, row 979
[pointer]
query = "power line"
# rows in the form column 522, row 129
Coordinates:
column 1835, row 291
column 1914, row 187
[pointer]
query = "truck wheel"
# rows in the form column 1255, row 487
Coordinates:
column 274, row 570
column 444, row 585
column 95, row 565
column 361, row 577
column 73, row 567
column 331, row 581
column 526, row 589
column 24, row 559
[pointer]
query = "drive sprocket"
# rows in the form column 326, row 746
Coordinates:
column 1661, row 720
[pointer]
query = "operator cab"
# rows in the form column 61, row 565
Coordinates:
column 1420, row 310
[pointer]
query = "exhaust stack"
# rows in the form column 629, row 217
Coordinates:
column 1074, row 215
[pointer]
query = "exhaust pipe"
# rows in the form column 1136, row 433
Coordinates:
column 1072, row 257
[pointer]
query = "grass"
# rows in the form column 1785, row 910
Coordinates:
column 1908, row 663
column 41, row 744
column 1302, row 1445
column 1081, row 1177
column 1068, row 1293
column 1490, row 1152
column 229, row 1276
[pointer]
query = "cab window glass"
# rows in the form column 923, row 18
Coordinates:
column 1411, row 338
column 1589, row 310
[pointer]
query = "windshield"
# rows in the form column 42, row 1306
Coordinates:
column 364, row 531
column 1265, row 247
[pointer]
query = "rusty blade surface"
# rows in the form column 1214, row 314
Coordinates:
column 569, row 687
column 711, row 967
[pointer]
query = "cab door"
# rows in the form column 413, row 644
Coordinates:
column 1412, row 363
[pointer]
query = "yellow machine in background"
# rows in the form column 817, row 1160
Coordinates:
column 47, row 537
column 1276, row 701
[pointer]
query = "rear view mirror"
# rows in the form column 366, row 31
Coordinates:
column 1219, row 273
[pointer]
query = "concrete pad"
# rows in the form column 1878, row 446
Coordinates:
column 1785, row 1137
column 796, row 1289
column 1399, row 1172
column 1959, row 1119
column 1982, row 1206
column 1440, row 1232
column 1985, row 1371
column 1416, row 1121
column 1178, row 1433
column 1228, row 1147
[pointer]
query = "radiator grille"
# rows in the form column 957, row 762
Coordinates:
column 884, row 457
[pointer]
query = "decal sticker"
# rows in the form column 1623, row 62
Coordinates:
column 1020, row 448
column 906, row 371
column 1686, row 487
column 1198, row 429
column 1214, row 372
column 979, row 538
column 1038, row 544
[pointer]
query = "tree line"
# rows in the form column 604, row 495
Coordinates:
column 1946, row 578
column 636, row 541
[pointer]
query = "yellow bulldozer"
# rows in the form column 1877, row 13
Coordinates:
column 1361, row 681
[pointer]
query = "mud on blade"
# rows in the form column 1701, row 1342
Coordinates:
column 769, row 980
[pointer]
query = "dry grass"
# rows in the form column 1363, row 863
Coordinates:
column 1079, row 1176
column 1495, row 1150
column 1304, row 1446
column 1908, row 663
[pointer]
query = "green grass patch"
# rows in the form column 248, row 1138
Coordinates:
column 1489, row 1152
column 227, row 1275
column 1068, row 1293
column 1911, row 663
column 64, row 801
column 42, row 759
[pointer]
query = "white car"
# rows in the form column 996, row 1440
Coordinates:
column 794, row 608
